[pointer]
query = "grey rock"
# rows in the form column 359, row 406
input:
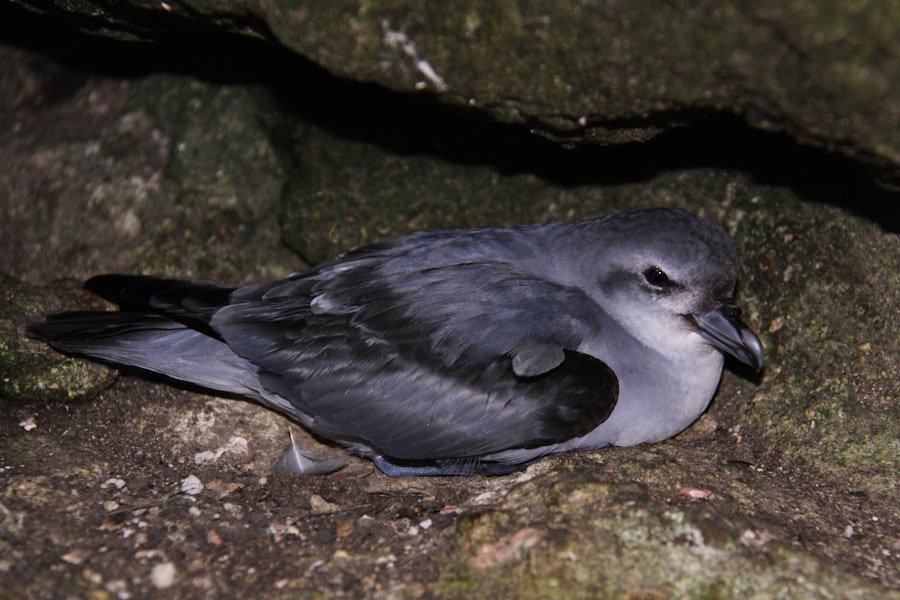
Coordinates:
column 823, row 72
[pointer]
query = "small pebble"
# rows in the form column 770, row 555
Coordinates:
column 696, row 493
column 115, row 482
column 163, row 575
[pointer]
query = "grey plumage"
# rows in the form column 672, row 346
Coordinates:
column 455, row 351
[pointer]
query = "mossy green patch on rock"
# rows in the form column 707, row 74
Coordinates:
column 29, row 369
column 576, row 536
column 827, row 282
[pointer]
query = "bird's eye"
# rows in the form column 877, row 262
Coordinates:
column 657, row 278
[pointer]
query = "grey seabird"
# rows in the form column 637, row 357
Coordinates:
column 454, row 351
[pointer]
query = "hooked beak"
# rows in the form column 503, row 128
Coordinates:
column 723, row 328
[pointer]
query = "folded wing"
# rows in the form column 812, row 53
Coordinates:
column 451, row 361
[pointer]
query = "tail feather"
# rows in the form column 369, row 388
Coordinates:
column 78, row 332
column 151, row 343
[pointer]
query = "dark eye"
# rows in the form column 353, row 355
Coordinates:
column 657, row 278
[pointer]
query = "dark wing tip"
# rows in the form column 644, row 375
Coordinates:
column 581, row 394
column 187, row 301
column 112, row 286
column 62, row 326
column 38, row 330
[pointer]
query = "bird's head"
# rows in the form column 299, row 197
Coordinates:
column 669, row 277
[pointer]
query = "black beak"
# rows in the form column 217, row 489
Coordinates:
column 723, row 328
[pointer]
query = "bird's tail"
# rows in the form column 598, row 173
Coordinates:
column 163, row 328
column 187, row 301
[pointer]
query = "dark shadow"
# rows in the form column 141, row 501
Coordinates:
column 415, row 124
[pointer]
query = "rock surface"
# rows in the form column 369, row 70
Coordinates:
column 824, row 72
column 200, row 166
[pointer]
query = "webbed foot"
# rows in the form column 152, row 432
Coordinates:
column 395, row 467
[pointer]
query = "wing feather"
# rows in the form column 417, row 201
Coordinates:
column 417, row 363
